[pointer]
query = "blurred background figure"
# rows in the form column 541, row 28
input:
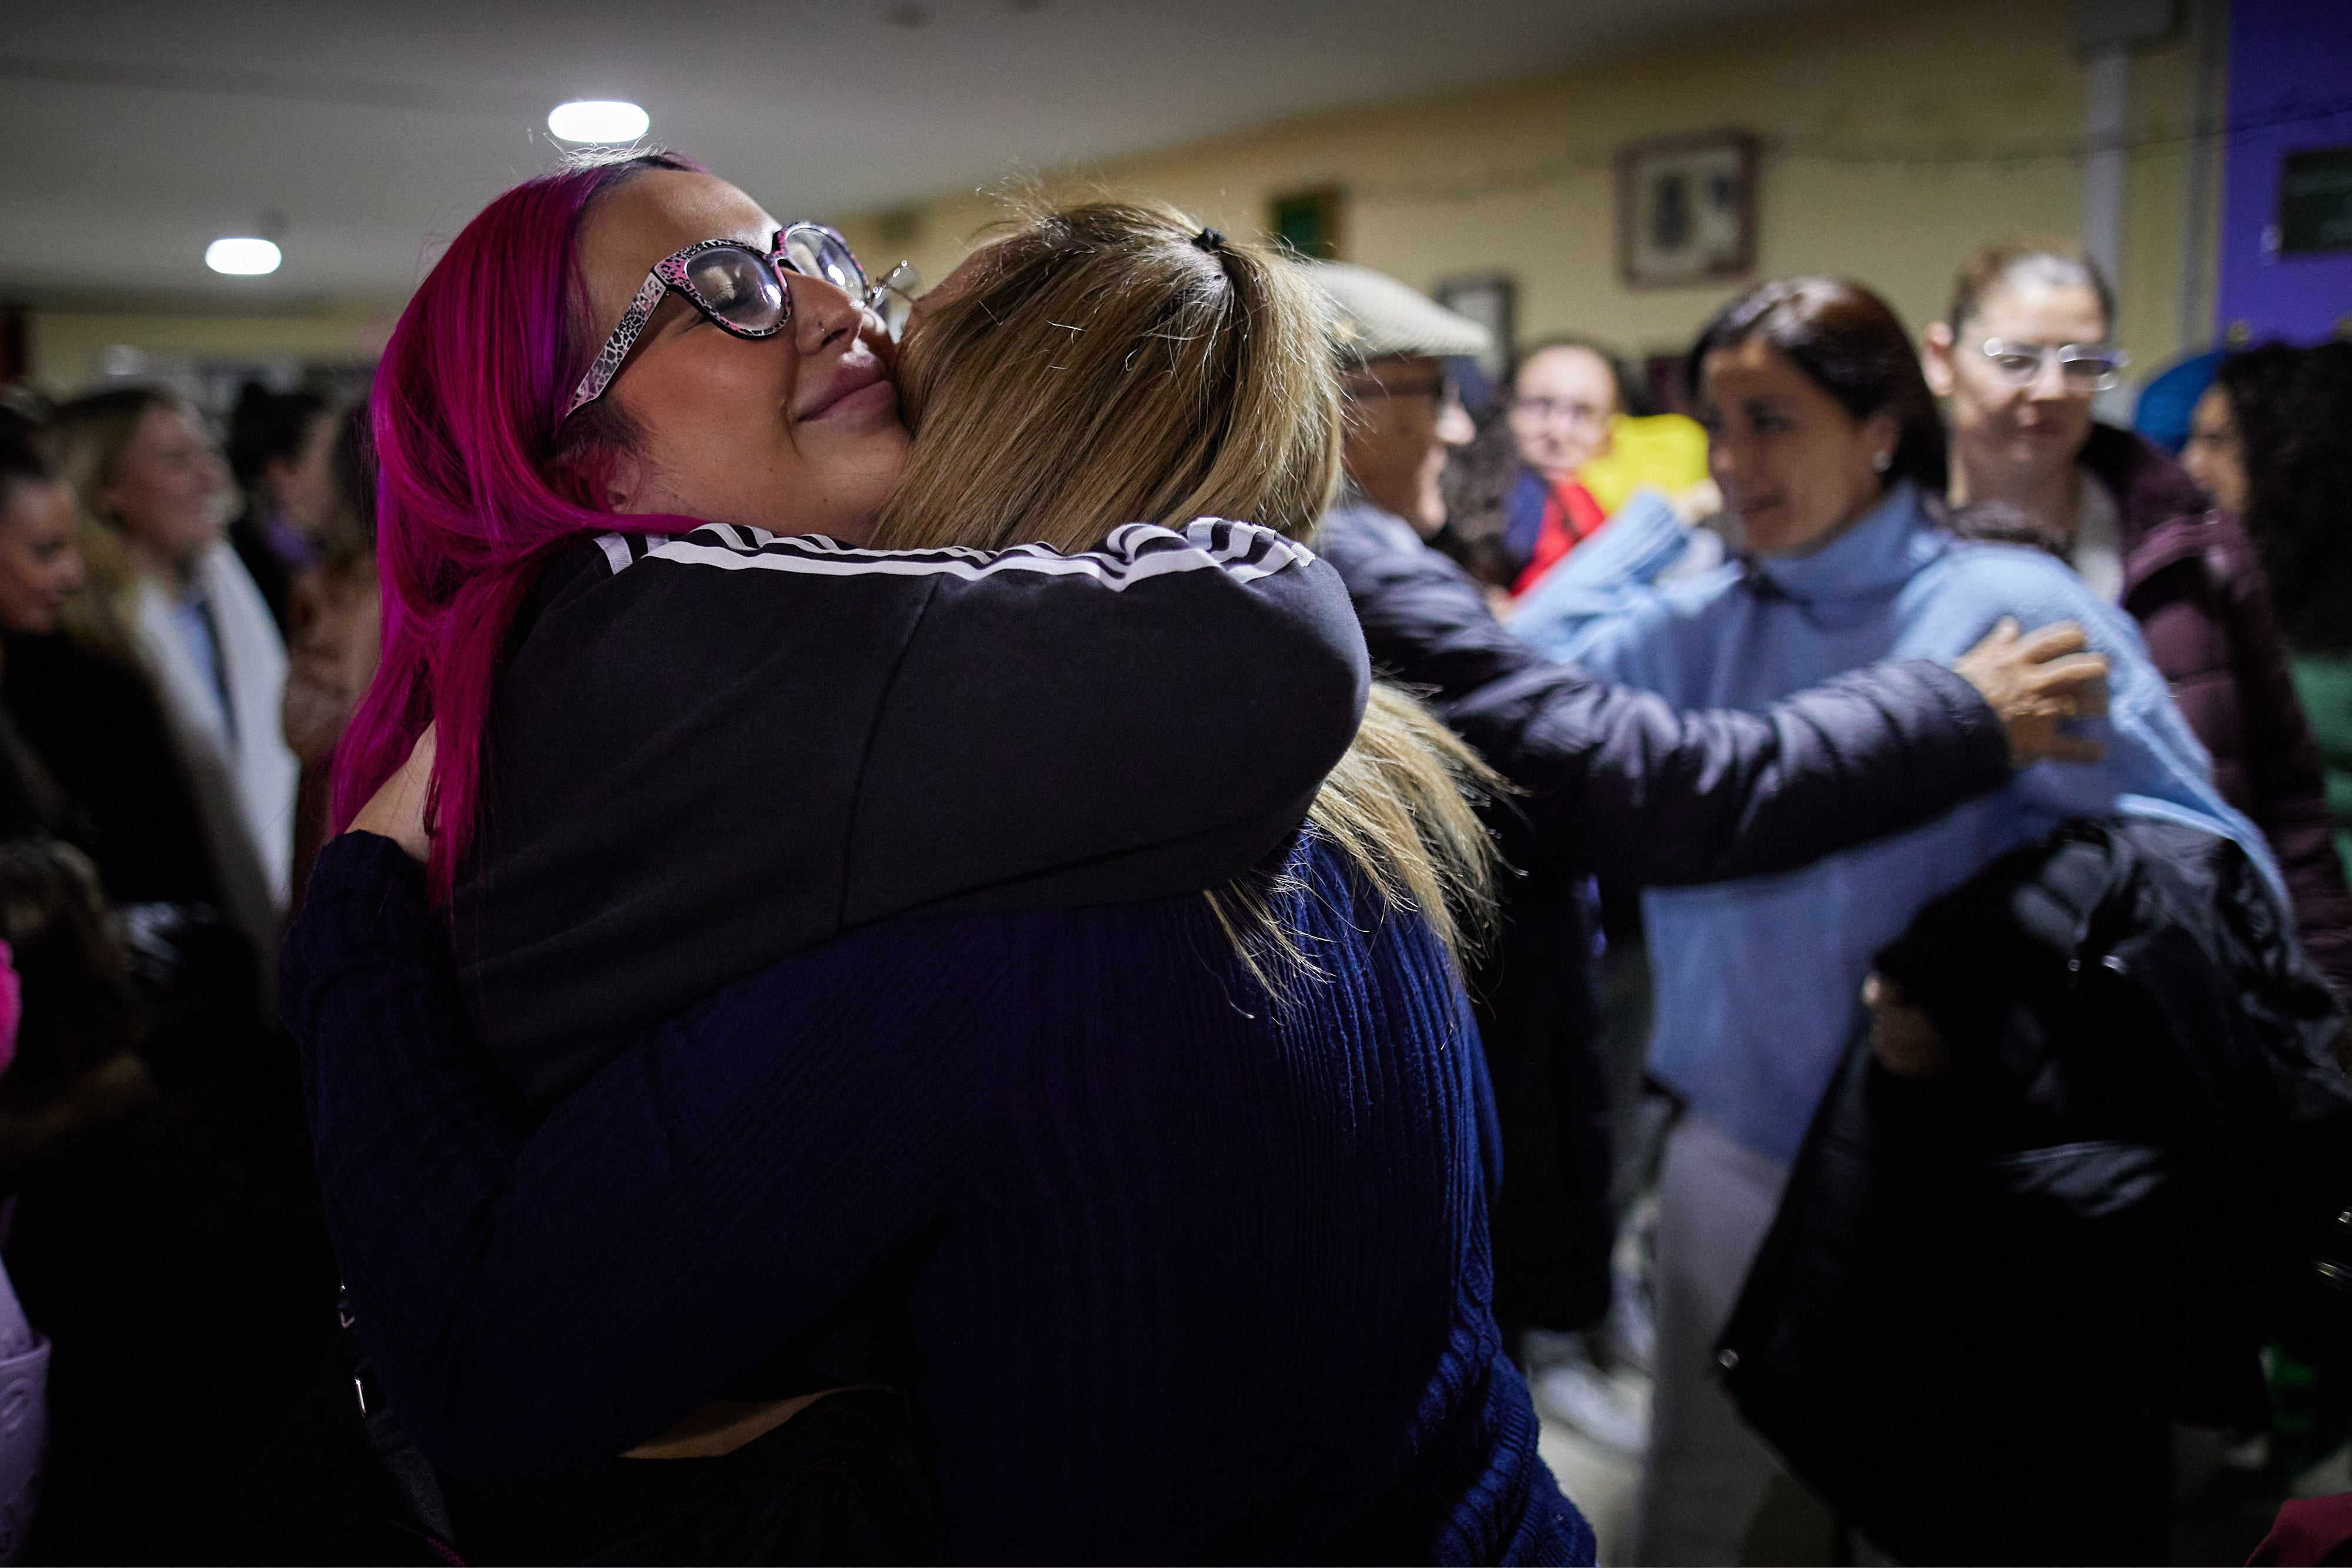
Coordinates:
column 156, row 1207
column 24, row 1352
column 335, row 630
column 2271, row 441
column 2024, row 347
column 1562, row 410
column 90, row 755
column 1402, row 416
column 279, row 450
column 183, row 1283
column 168, row 593
column 1567, row 442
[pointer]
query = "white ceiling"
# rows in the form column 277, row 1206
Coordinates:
column 137, row 131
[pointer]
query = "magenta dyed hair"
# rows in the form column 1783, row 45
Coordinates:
column 469, row 503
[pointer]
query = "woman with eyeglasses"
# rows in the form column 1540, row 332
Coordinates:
column 1168, row 1213
column 607, row 360
column 2018, row 358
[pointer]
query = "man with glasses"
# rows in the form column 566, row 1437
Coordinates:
column 1610, row 780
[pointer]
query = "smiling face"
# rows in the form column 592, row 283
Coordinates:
column 2017, row 436
column 795, row 434
column 39, row 567
column 1560, row 408
column 1795, row 469
column 170, row 491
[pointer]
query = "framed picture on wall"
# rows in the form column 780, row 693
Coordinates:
column 1687, row 209
column 1491, row 300
column 2314, row 205
column 1309, row 222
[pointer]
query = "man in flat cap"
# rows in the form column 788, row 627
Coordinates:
column 1393, row 343
column 1616, row 781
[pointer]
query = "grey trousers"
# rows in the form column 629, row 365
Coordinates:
column 1705, row 1473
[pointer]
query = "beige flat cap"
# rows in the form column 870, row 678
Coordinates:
column 1373, row 314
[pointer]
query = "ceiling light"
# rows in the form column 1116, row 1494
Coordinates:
column 598, row 120
column 242, row 258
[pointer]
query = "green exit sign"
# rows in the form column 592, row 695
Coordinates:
column 2314, row 211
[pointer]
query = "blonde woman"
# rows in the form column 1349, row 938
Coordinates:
column 167, row 588
column 1181, row 1201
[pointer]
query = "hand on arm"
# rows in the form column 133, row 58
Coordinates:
column 2037, row 683
column 1620, row 782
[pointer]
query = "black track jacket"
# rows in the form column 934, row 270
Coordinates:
column 706, row 752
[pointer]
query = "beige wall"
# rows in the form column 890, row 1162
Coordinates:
column 1519, row 179
column 69, row 349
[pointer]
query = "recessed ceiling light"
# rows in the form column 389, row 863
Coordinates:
column 598, row 120
column 242, row 258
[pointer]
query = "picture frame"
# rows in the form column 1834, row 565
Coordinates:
column 1308, row 222
column 1491, row 299
column 1687, row 209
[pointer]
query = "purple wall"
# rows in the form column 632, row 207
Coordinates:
column 2285, row 57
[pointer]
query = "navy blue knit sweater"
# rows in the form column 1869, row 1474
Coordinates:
column 1198, row 1275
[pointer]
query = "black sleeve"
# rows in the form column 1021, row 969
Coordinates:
column 1151, row 735
column 1621, row 783
column 707, row 753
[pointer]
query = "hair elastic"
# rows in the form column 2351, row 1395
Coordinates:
column 1210, row 240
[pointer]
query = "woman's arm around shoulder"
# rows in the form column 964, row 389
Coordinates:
column 1619, row 780
column 1146, row 719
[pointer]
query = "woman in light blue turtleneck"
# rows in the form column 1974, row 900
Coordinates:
column 1824, row 440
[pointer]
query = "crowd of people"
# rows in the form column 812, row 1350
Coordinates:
column 1095, row 933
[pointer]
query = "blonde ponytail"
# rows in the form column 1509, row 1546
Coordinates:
column 1115, row 362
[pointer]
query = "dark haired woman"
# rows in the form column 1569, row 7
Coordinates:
column 2271, row 441
column 279, row 445
column 1828, row 448
column 334, row 635
column 100, row 768
column 2020, row 353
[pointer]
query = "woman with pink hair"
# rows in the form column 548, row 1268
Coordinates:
column 683, row 727
column 614, row 692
